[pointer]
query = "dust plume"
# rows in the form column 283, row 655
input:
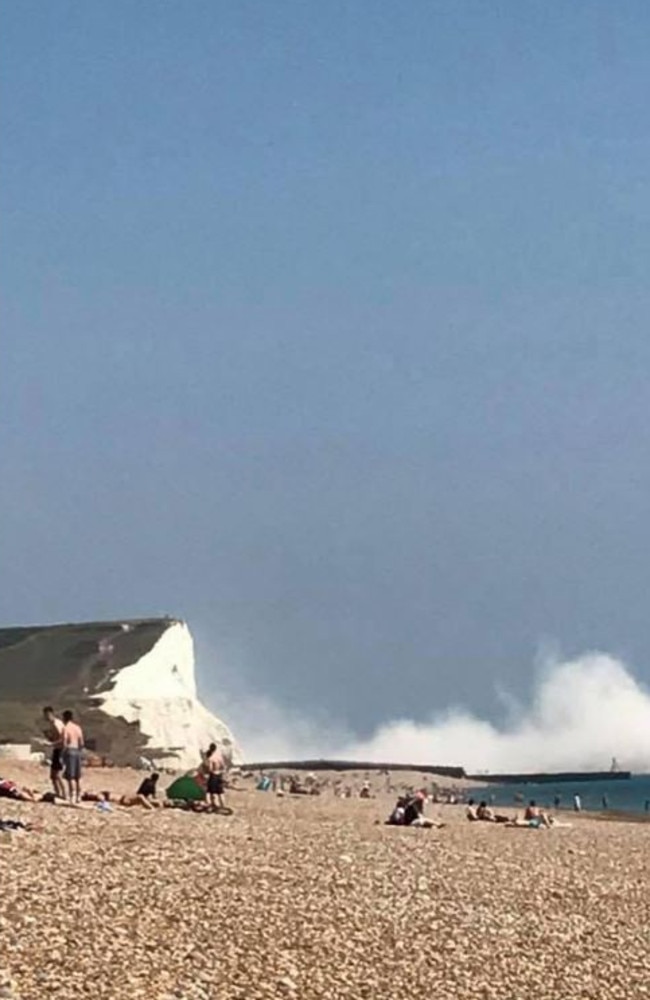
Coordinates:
column 583, row 713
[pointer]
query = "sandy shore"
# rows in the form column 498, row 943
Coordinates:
column 309, row 898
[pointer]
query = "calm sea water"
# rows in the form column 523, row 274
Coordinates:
column 628, row 796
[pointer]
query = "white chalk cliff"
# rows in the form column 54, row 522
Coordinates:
column 159, row 692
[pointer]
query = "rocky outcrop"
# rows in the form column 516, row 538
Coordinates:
column 132, row 683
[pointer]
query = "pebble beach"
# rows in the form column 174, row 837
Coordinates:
column 310, row 898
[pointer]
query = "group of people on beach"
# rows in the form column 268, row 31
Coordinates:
column 534, row 817
column 64, row 740
column 410, row 804
column 409, row 811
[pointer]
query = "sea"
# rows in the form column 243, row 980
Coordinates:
column 623, row 795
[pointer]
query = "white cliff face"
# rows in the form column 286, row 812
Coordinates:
column 159, row 692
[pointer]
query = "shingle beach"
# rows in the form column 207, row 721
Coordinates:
column 310, row 898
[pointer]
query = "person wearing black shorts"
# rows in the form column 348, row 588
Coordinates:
column 56, row 763
column 54, row 735
column 215, row 786
column 149, row 786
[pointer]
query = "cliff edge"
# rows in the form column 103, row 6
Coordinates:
column 132, row 684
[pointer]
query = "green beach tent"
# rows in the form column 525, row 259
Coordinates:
column 186, row 787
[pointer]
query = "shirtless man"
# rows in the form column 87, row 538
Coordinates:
column 54, row 736
column 215, row 767
column 73, row 743
column 534, row 816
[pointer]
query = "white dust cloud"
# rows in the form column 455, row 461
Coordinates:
column 266, row 731
column 583, row 713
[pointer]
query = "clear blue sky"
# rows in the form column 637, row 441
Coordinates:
column 325, row 326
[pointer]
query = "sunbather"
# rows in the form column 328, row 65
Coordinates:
column 409, row 811
column 147, row 791
column 534, row 819
column 534, row 816
column 10, row 790
column 485, row 813
column 10, row 825
column 145, row 796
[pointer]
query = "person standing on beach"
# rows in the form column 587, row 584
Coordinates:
column 54, row 736
column 215, row 766
column 73, row 743
column 577, row 803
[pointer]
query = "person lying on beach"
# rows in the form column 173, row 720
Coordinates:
column 531, row 824
column 52, row 799
column 12, row 825
column 10, row 790
column 145, row 796
column 98, row 797
column 128, row 801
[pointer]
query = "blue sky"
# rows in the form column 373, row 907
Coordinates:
column 324, row 325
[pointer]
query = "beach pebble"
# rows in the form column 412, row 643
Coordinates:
column 308, row 899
